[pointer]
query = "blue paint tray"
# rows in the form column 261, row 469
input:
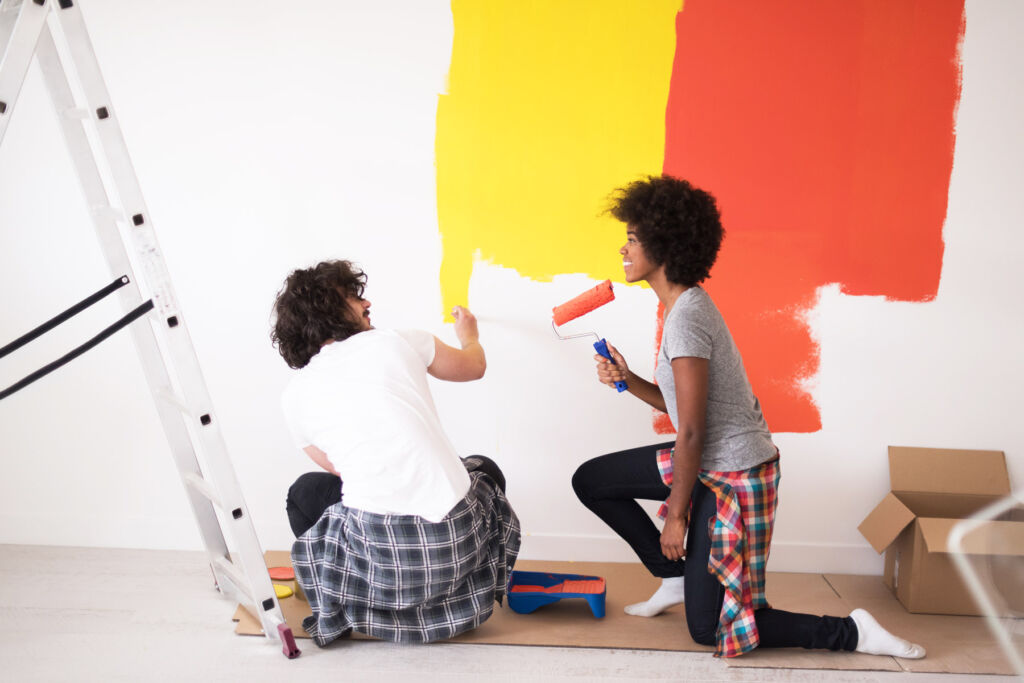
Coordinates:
column 529, row 590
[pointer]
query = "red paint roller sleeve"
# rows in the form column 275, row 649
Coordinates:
column 581, row 305
column 584, row 303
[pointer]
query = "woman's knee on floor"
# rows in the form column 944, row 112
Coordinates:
column 702, row 620
column 703, row 634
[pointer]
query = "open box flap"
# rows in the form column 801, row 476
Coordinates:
column 947, row 505
column 988, row 538
column 946, row 470
column 885, row 522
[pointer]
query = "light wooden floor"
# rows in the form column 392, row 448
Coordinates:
column 91, row 614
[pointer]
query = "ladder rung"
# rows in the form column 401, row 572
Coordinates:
column 76, row 113
column 201, row 486
column 171, row 398
column 236, row 578
column 109, row 212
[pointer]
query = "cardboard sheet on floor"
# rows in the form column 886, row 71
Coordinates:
column 954, row 644
column 568, row 623
column 294, row 608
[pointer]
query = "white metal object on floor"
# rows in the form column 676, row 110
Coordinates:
column 976, row 543
column 54, row 32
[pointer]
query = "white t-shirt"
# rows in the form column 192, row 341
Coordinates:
column 365, row 402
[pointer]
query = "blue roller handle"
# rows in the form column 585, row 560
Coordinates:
column 601, row 346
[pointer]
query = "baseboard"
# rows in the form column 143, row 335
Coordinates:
column 785, row 557
column 834, row 558
column 172, row 534
column 78, row 530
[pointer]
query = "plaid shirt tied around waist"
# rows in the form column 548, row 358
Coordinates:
column 405, row 579
column 740, row 540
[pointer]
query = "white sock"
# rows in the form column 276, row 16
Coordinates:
column 668, row 594
column 872, row 639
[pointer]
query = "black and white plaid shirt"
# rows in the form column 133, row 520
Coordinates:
column 402, row 578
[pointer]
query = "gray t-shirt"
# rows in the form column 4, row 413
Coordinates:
column 736, row 435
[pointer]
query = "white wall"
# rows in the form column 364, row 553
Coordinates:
column 270, row 138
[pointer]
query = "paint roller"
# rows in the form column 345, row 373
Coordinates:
column 581, row 305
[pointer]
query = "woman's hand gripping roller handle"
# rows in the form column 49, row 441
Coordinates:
column 601, row 346
column 585, row 303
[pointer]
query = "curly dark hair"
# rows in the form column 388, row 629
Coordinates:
column 677, row 224
column 311, row 309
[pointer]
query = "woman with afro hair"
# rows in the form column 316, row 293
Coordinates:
column 718, row 478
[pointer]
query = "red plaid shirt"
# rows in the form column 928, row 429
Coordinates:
column 740, row 541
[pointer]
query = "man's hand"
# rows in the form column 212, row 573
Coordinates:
column 465, row 326
column 609, row 373
column 460, row 365
column 320, row 458
column 673, row 538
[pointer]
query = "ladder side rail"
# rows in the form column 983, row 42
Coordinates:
column 115, row 154
column 105, row 224
column 9, row 13
column 218, row 466
column 16, row 57
column 236, row 585
column 174, row 333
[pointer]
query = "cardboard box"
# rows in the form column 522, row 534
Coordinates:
column 932, row 489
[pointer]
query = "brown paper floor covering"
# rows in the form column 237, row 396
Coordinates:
column 954, row 644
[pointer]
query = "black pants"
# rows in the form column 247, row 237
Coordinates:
column 609, row 486
column 314, row 492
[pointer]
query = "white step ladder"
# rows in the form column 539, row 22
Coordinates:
column 54, row 32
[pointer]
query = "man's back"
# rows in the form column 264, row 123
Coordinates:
column 366, row 403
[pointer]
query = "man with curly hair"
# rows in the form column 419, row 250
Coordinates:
column 399, row 538
column 720, row 475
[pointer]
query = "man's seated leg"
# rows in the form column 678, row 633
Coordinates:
column 308, row 497
column 481, row 463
